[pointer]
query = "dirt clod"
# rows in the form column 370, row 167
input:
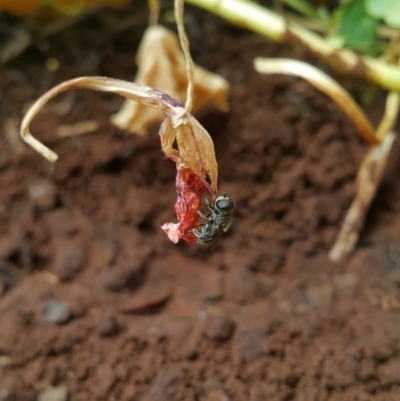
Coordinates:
column 219, row 328
column 107, row 324
column 70, row 260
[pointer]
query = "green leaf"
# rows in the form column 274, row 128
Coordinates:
column 303, row 7
column 388, row 10
column 358, row 28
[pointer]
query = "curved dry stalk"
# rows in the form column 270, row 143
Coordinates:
column 325, row 84
column 389, row 118
column 186, row 51
column 154, row 8
column 198, row 155
column 143, row 94
column 368, row 179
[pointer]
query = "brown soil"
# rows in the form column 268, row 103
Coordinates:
column 97, row 304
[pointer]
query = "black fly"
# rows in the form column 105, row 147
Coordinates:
column 218, row 221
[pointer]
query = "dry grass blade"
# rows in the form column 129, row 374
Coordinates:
column 368, row 180
column 390, row 116
column 325, row 84
column 81, row 128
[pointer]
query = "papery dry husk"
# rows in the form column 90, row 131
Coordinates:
column 162, row 66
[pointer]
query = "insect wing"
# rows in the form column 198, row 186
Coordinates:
column 217, row 236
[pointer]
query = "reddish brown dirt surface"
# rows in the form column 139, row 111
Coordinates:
column 97, row 304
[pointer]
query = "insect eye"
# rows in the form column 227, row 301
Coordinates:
column 225, row 204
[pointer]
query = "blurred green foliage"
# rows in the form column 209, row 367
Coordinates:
column 357, row 27
column 351, row 23
column 388, row 10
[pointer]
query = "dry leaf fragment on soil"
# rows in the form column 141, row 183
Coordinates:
column 197, row 169
column 162, row 66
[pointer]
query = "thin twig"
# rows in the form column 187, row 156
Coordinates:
column 393, row 98
column 154, row 7
column 130, row 90
column 186, row 51
column 390, row 116
column 368, row 180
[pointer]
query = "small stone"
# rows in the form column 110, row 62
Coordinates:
column 70, row 260
column 107, row 325
column 56, row 312
column 219, row 328
column 43, row 193
column 53, row 394
column 157, row 334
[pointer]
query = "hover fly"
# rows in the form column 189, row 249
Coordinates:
column 218, row 221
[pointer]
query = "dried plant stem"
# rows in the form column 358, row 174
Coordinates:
column 70, row 9
column 368, row 180
column 393, row 98
column 325, row 84
column 264, row 21
column 154, row 7
column 186, row 51
column 129, row 90
column 195, row 147
column 390, row 117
